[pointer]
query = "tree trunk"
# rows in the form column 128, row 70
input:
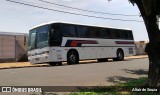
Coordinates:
column 153, row 47
column 153, row 51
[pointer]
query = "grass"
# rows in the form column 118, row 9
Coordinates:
column 118, row 89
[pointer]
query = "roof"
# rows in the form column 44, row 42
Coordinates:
column 76, row 24
column 11, row 33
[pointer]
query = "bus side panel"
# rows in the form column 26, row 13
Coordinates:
column 90, row 53
column 82, row 53
column 60, row 53
column 104, row 52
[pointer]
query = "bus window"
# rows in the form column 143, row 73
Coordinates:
column 108, row 32
column 130, row 35
column 105, row 33
column 124, row 34
column 42, row 36
column 82, row 31
column 68, row 30
column 97, row 30
column 102, row 33
column 55, row 35
column 117, row 33
column 92, row 32
column 113, row 34
column 32, row 38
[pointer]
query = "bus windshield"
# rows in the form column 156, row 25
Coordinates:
column 38, row 37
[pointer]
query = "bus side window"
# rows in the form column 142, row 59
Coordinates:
column 117, row 34
column 102, row 32
column 98, row 34
column 113, row 34
column 108, row 31
column 130, row 35
column 92, row 32
column 82, row 31
column 55, row 35
column 68, row 30
column 124, row 34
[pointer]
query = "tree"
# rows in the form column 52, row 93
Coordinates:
column 150, row 11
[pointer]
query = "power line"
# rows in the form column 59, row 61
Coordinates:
column 70, row 12
column 84, row 9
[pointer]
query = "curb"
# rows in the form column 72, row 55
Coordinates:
column 14, row 67
column 23, row 67
column 137, row 57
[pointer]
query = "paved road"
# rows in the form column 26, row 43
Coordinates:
column 91, row 74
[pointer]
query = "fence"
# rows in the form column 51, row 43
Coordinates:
column 13, row 47
column 140, row 47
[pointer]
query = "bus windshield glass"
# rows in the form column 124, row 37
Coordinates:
column 32, row 37
column 38, row 37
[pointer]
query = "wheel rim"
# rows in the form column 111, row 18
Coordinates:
column 72, row 57
column 119, row 55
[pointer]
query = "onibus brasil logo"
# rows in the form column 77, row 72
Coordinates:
column 21, row 89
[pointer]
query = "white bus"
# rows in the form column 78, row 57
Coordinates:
column 56, row 42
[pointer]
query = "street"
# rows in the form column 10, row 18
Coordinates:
column 86, row 74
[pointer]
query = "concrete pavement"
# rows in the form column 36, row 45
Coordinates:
column 96, row 74
column 87, row 74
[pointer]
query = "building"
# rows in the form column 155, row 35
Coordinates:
column 140, row 47
column 13, row 47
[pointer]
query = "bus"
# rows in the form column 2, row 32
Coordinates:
column 57, row 42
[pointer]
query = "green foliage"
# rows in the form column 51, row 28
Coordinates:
column 136, row 82
column 117, row 89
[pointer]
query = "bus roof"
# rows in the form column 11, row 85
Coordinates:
column 48, row 23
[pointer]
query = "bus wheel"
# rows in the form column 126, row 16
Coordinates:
column 72, row 57
column 120, row 55
column 102, row 60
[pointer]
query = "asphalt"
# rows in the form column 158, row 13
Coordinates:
column 96, row 74
column 11, row 65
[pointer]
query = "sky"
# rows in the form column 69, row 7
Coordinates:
column 20, row 18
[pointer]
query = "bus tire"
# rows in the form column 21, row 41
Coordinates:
column 72, row 57
column 120, row 55
column 102, row 60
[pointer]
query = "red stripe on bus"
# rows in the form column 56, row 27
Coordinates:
column 74, row 43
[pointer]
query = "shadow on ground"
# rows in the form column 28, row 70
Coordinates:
column 137, row 72
column 121, row 79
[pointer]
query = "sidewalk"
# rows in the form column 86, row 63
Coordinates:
column 19, row 65
column 137, row 57
column 27, row 64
